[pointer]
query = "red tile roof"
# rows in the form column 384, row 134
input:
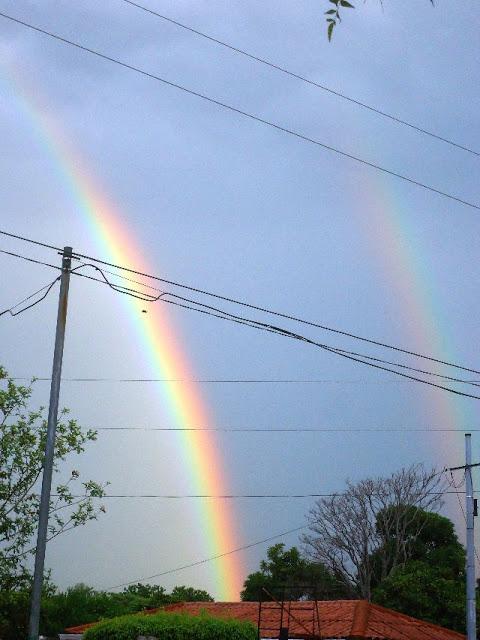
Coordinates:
column 354, row 619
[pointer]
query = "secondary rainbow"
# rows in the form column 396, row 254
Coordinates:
column 392, row 242
column 161, row 344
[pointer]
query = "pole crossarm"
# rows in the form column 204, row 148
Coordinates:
column 464, row 466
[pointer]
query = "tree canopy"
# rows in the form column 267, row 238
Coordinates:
column 285, row 574
column 361, row 535
column 430, row 585
column 22, row 447
column 383, row 541
column 81, row 604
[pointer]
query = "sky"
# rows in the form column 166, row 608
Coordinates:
column 216, row 200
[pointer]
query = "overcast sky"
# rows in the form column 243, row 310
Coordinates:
column 230, row 205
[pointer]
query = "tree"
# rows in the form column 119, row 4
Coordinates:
column 151, row 595
column 362, row 534
column 81, row 604
column 285, row 574
column 431, row 584
column 189, row 594
column 334, row 15
column 156, row 596
column 22, row 445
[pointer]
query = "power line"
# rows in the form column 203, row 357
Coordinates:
column 234, row 301
column 216, row 557
column 336, row 430
column 297, row 76
column 350, row 355
column 245, row 381
column 268, row 311
column 293, row 429
column 18, row 255
column 225, row 315
column 215, row 497
column 47, row 288
column 254, row 496
column 241, row 112
column 17, row 237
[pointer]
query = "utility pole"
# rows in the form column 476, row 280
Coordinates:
column 471, row 512
column 470, row 509
column 34, row 621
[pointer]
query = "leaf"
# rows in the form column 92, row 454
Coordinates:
column 330, row 12
column 344, row 3
column 330, row 30
column 335, row 2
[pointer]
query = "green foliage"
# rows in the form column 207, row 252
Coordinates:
column 429, row 538
column 426, row 592
column 150, row 595
column 437, row 543
column 431, row 584
column 22, row 444
column 13, row 614
column 334, row 15
column 285, row 574
column 170, row 626
column 14, row 611
column 189, row 594
column 81, row 604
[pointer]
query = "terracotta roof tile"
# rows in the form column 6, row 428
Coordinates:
column 353, row 619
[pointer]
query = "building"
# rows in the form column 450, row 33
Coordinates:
column 313, row 620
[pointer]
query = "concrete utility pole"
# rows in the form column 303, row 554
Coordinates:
column 470, row 508
column 50, row 447
column 471, row 512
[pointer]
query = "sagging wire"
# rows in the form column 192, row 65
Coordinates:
column 269, row 328
column 47, row 288
column 348, row 334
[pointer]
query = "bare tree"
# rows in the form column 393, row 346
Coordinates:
column 362, row 534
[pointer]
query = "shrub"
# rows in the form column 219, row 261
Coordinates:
column 13, row 614
column 171, row 626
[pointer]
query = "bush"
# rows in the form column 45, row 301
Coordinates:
column 81, row 604
column 13, row 614
column 171, row 626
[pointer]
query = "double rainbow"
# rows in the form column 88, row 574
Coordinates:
column 391, row 238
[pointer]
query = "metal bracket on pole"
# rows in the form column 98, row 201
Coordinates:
column 34, row 620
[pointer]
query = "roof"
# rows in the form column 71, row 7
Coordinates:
column 354, row 619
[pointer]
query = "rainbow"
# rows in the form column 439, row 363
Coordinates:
column 161, row 344
column 392, row 243
column 390, row 240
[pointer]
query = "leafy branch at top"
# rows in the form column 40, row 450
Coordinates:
column 333, row 15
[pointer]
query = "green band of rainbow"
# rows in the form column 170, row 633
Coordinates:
column 394, row 245
column 159, row 343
